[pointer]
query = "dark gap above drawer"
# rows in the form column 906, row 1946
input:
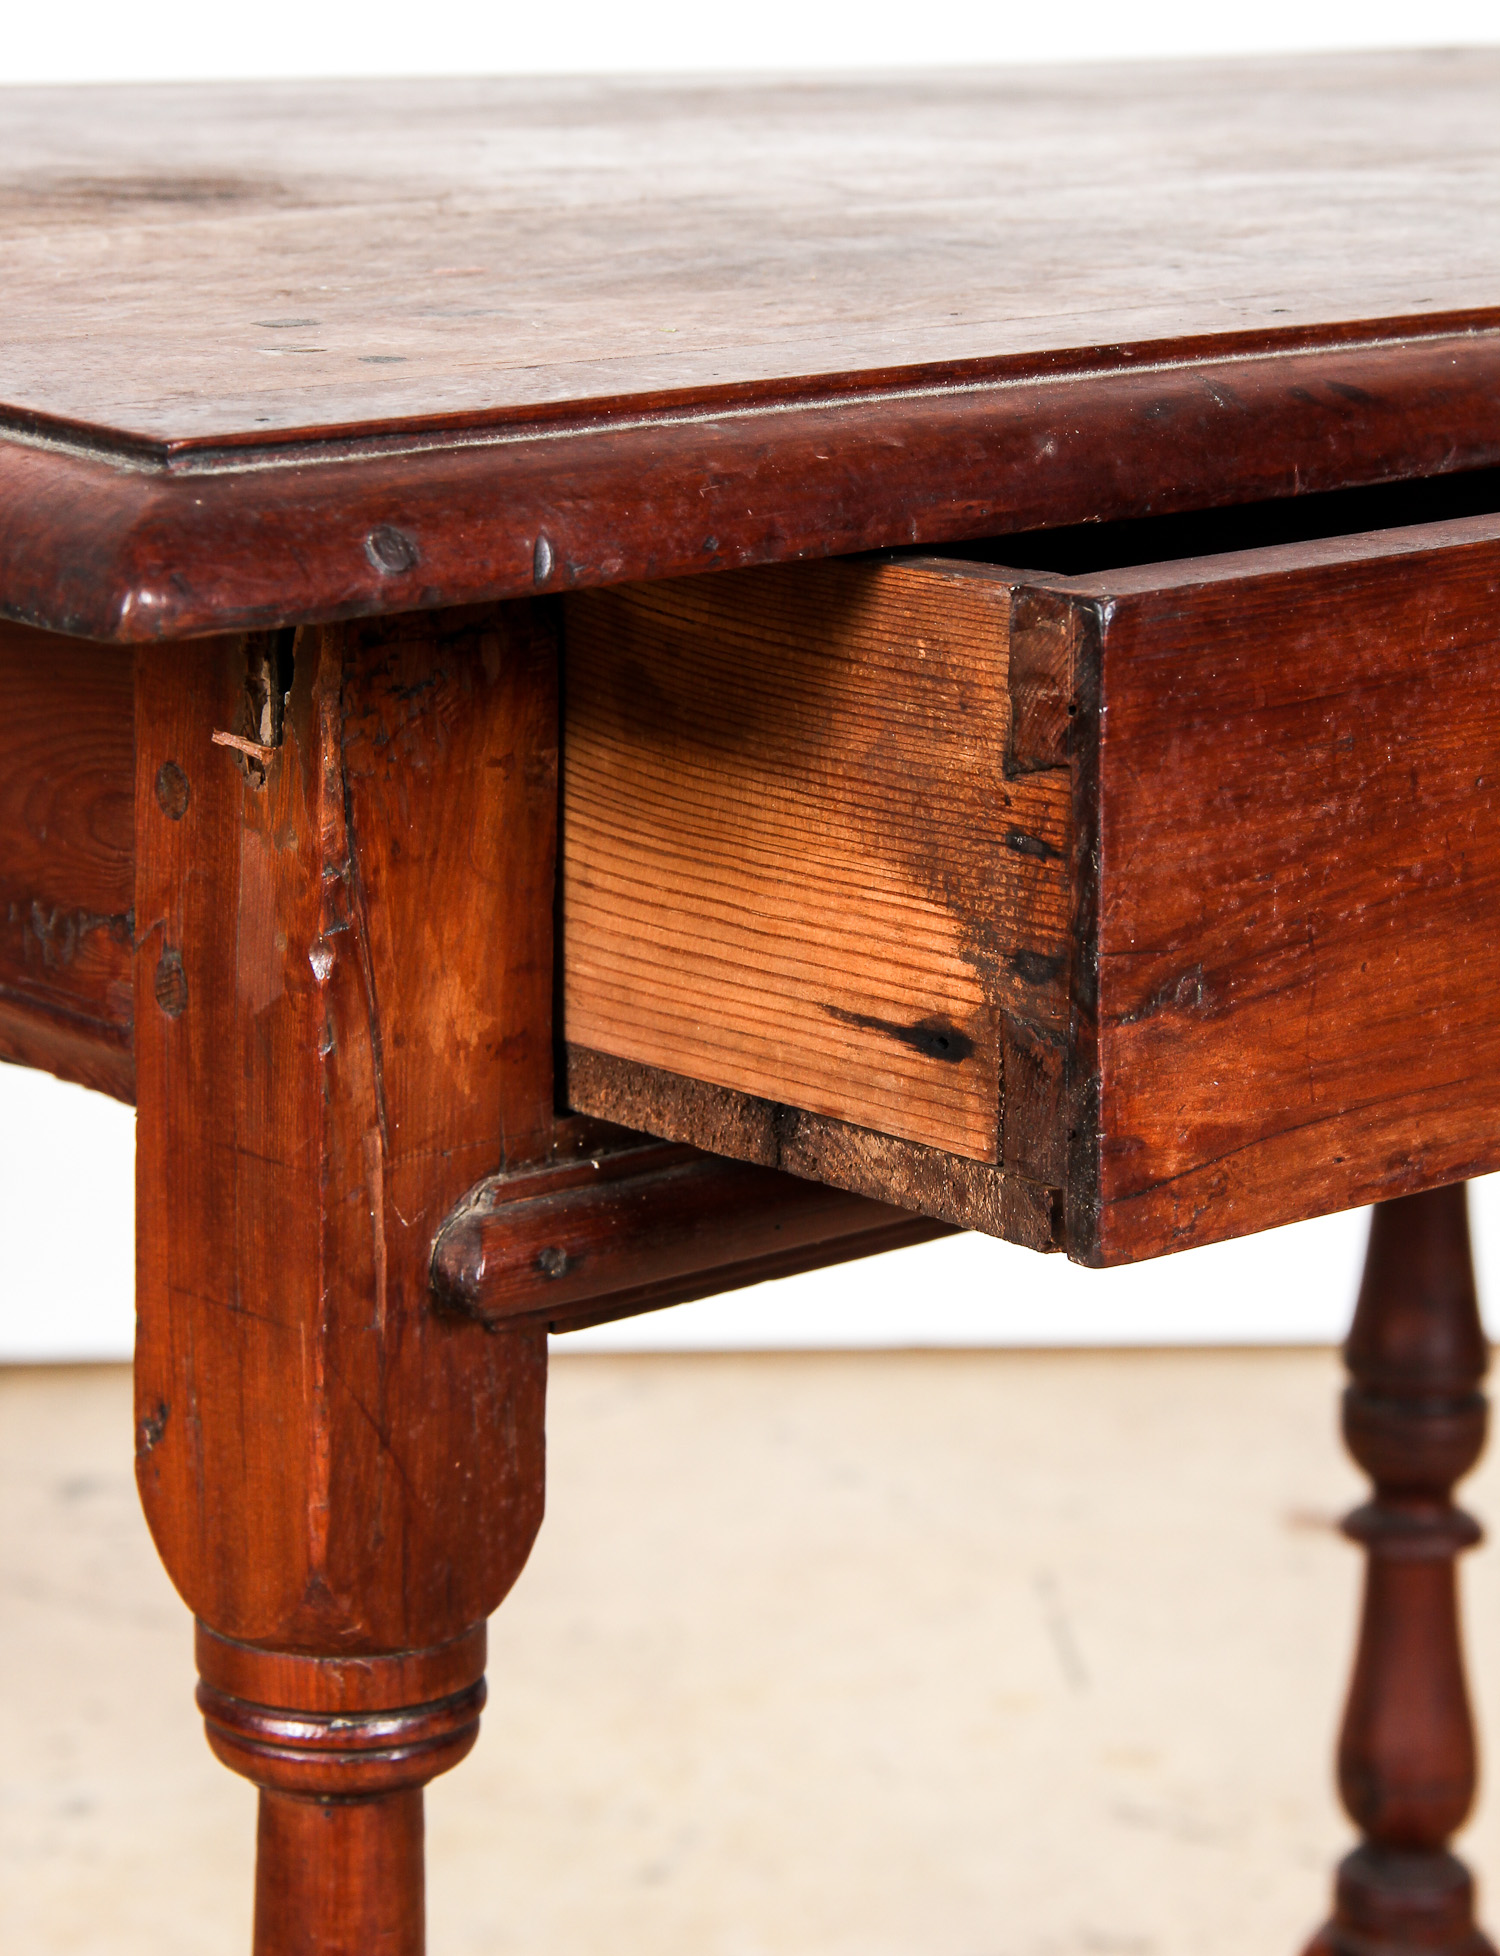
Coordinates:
column 1088, row 548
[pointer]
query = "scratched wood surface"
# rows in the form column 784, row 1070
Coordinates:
column 344, row 983
column 1299, row 846
column 67, row 784
column 539, row 335
column 1262, row 995
column 327, row 1060
column 331, row 254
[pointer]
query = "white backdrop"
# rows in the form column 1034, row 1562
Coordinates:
column 66, row 1157
column 66, row 1164
column 102, row 40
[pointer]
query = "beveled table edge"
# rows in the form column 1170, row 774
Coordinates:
column 108, row 538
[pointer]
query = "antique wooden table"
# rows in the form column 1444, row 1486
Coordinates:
column 1022, row 559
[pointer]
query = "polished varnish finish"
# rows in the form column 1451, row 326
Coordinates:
column 341, row 1754
column 120, row 547
column 1414, row 1419
column 366, row 255
column 369, row 346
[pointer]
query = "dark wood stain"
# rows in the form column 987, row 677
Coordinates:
column 1415, row 1420
column 1177, row 754
column 537, row 371
column 67, row 771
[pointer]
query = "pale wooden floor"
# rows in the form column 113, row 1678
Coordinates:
column 1003, row 1654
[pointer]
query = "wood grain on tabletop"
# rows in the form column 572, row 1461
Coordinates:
column 362, row 252
column 571, row 317
column 1234, row 986
column 67, row 856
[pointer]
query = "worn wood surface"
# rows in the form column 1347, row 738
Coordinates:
column 1414, row 1419
column 793, row 863
column 636, row 1225
column 1298, row 817
column 1256, row 882
column 327, row 1059
column 166, row 549
column 296, row 256
column 544, row 334
column 344, row 985
column 970, row 1194
column 365, row 349
column 67, row 856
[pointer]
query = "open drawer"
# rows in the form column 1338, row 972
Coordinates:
column 1116, row 912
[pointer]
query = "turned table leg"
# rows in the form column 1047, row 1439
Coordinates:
column 344, row 888
column 340, row 1751
column 1414, row 1419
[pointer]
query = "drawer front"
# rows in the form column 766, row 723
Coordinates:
column 1128, row 911
column 1298, row 919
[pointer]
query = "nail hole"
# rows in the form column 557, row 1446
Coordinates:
column 172, row 791
column 171, row 984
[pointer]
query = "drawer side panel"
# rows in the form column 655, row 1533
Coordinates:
column 794, row 863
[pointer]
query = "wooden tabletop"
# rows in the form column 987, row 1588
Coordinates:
column 217, row 283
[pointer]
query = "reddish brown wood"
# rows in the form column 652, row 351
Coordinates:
column 643, row 1225
column 67, row 783
column 344, row 984
column 1414, row 1419
column 354, row 255
column 713, row 327
column 518, row 367
column 1296, row 830
column 167, row 549
column 1197, row 908
column 340, row 1880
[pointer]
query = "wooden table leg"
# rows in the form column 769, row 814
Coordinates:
column 1414, row 1419
column 343, row 1021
